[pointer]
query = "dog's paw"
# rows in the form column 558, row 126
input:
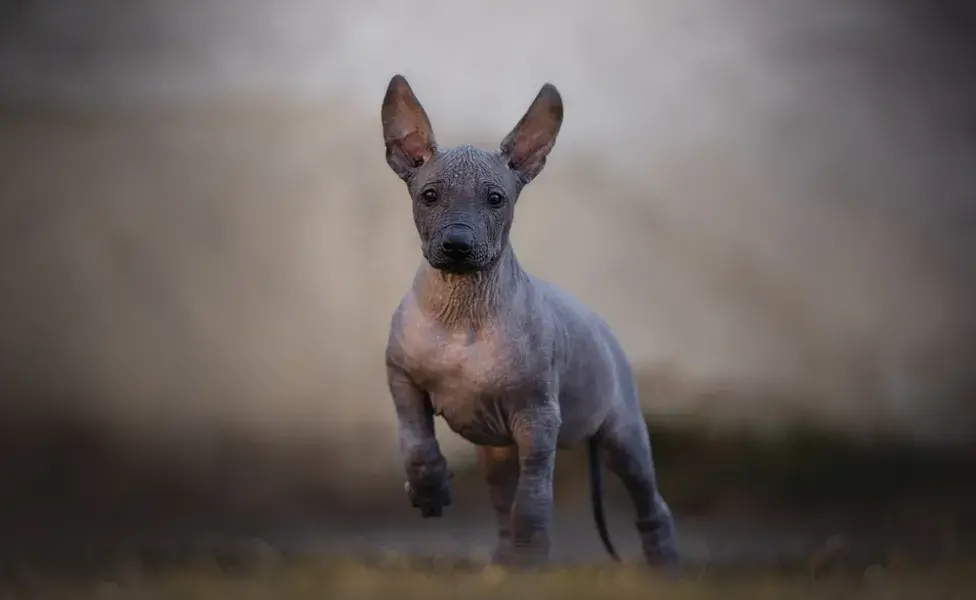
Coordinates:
column 430, row 499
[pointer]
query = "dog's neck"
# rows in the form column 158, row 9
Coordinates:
column 470, row 300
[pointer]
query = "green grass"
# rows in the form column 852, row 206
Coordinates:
column 335, row 580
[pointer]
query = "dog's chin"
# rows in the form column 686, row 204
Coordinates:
column 455, row 267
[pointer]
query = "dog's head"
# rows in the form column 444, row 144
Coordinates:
column 464, row 197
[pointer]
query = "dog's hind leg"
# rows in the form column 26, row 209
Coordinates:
column 625, row 447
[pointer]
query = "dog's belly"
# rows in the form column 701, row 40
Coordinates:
column 582, row 415
column 479, row 420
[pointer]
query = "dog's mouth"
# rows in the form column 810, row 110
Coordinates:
column 455, row 266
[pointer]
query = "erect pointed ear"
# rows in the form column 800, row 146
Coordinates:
column 527, row 146
column 406, row 129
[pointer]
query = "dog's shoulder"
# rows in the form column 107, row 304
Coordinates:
column 398, row 340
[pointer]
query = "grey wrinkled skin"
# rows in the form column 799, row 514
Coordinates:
column 511, row 363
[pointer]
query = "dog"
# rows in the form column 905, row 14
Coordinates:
column 512, row 363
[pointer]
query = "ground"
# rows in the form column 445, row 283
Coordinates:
column 755, row 521
column 350, row 580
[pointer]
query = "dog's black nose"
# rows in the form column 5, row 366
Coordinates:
column 457, row 242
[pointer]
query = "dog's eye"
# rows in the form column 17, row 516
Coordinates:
column 429, row 196
column 495, row 199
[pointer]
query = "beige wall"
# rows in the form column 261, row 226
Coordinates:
column 768, row 200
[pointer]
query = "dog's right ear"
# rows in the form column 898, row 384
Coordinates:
column 406, row 129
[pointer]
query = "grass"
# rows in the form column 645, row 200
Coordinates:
column 335, row 580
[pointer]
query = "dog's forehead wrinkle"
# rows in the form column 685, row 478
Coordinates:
column 468, row 166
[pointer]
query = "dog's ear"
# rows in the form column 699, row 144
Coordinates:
column 406, row 129
column 530, row 142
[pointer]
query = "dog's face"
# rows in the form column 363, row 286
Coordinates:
column 464, row 198
column 463, row 206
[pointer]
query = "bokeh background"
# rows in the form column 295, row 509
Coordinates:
column 772, row 203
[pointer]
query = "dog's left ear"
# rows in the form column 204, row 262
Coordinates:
column 406, row 129
column 530, row 142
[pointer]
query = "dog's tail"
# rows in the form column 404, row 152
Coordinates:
column 596, row 496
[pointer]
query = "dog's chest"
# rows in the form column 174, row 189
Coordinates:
column 470, row 378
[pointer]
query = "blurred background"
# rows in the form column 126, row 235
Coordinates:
column 772, row 203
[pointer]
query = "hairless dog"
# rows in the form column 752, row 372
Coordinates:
column 511, row 363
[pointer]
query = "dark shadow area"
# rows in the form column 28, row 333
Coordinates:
column 77, row 499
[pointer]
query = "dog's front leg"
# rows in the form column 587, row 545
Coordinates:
column 428, row 479
column 535, row 431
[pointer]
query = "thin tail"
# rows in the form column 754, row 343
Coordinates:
column 596, row 496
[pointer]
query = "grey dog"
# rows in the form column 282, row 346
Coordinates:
column 512, row 363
